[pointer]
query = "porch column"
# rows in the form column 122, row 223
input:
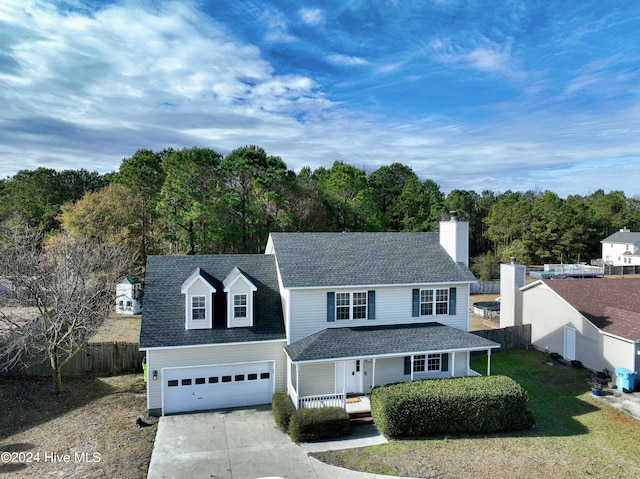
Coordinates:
column 488, row 362
column 412, row 357
column 344, row 380
column 297, row 380
column 373, row 374
column 453, row 364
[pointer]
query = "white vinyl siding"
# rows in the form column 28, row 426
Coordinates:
column 548, row 315
column 209, row 355
column 308, row 309
column 316, row 379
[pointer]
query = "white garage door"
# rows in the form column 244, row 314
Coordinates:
column 200, row 388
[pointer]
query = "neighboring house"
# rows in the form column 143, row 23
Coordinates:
column 594, row 321
column 622, row 248
column 319, row 315
column 129, row 296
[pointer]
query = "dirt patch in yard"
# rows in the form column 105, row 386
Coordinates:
column 118, row 328
column 87, row 431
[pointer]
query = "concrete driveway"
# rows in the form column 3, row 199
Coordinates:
column 233, row 444
column 244, row 444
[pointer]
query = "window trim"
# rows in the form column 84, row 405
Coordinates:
column 350, row 307
column 237, row 307
column 438, row 304
column 433, row 359
column 419, row 363
column 201, row 307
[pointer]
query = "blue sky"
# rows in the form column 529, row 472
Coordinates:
column 474, row 95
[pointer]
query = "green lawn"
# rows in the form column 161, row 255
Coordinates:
column 575, row 436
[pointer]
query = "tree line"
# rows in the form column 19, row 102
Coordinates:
column 197, row 201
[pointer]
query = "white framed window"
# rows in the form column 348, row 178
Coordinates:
column 359, row 305
column 434, row 301
column 343, row 305
column 434, row 362
column 426, row 302
column 352, row 305
column 240, row 306
column 419, row 363
column 198, row 308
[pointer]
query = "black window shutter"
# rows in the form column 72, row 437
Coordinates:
column 331, row 306
column 371, row 305
column 452, row 301
column 445, row 362
column 415, row 311
column 407, row 365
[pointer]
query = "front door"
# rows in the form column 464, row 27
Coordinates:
column 349, row 376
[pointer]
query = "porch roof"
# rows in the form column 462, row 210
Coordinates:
column 388, row 340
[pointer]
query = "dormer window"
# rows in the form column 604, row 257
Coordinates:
column 198, row 308
column 240, row 305
column 198, row 293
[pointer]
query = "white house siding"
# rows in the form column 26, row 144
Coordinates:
column 548, row 315
column 393, row 305
column 617, row 353
column 613, row 253
column 316, row 379
column 211, row 355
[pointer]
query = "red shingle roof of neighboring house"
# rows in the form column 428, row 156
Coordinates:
column 611, row 304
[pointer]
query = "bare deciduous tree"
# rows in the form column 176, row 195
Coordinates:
column 65, row 288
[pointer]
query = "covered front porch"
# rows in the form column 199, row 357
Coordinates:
column 333, row 365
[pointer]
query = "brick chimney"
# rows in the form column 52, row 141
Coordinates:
column 454, row 238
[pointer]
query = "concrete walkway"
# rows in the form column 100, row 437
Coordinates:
column 245, row 444
column 627, row 402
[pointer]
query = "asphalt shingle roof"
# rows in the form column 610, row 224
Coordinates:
column 350, row 259
column 611, row 304
column 372, row 341
column 627, row 237
column 163, row 318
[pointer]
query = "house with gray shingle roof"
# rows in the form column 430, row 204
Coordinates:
column 622, row 248
column 595, row 321
column 319, row 315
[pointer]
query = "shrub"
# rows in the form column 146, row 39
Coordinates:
column 458, row 405
column 315, row 424
column 282, row 409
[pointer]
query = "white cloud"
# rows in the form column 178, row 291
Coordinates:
column 347, row 60
column 311, row 16
column 85, row 91
column 277, row 27
column 482, row 54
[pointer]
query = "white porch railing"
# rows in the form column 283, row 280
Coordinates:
column 471, row 372
column 325, row 400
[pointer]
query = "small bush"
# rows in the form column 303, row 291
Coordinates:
column 282, row 409
column 458, row 405
column 315, row 424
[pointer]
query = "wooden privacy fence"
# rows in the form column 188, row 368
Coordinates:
column 511, row 337
column 485, row 287
column 95, row 359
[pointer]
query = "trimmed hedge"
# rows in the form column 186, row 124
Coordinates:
column 314, row 424
column 458, row 405
column 282, row 409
